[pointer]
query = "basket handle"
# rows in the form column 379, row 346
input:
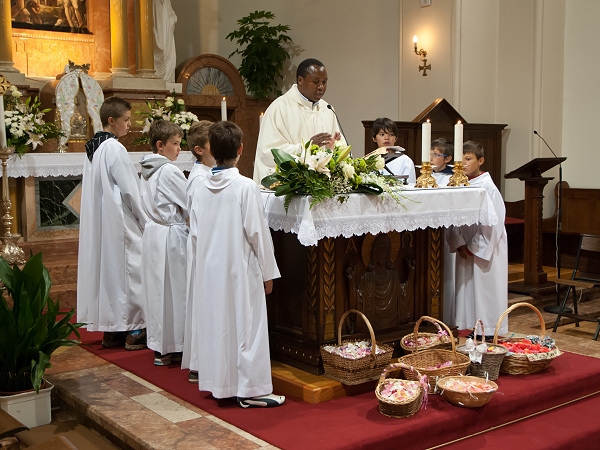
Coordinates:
column 390, row 368
column 437, row 323
column 513, row 307
column 480, row 322
column 373, row 342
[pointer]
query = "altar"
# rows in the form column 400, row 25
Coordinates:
column 368, row 253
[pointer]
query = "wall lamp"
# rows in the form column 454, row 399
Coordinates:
column 425, row 67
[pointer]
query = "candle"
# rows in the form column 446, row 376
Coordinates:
column 426, row 141
column 2, row 123
column 458, row 141
column 260, row 118
column 223, row 109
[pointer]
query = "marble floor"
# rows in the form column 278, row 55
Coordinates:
column 139, row 415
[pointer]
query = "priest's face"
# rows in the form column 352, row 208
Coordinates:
column 314, row 84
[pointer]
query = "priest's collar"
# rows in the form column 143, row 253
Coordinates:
column 313, row 103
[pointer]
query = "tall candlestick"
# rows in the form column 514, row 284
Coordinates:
column 223, row 109
column 458, row 141
column 260, row 118
column 2, row 123
column 426, row 141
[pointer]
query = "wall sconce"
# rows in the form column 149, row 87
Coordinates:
column 425, row 67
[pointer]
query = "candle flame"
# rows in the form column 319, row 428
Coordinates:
column 262, row 113
column 458, row 123
column 223, row 98
column 427, row 120
column 415, row 39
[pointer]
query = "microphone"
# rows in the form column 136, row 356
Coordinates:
column 338, row 121
column 540, row 136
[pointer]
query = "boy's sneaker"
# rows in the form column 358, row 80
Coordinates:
column 162, row 360
column 193, row 376
column 112, row 339
column 176, row 357
column 261, row 401
column 136, row 340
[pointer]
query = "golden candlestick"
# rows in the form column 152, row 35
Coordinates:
column 458, row 178
column 426, row 180
column 11, row 252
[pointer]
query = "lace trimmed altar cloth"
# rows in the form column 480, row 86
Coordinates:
column 361, row 214
column 44, row 165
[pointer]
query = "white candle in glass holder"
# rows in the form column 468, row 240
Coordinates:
column 2, row 123
column 223, row 110
column 260, row 118
column 458, row 141
column 426, row 141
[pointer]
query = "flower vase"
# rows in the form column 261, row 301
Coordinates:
column 28, row 407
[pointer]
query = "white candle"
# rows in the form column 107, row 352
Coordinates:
column 426, row 141
column 223, row 109
column 260, row 118
column 458, row 141
column 2, row 123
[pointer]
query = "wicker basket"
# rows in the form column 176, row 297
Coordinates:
column 356, row 371
column 398, row 408
column 439, row 340
column 489, row 367
column 518, row 364
column 466, row 399
column 426, row 361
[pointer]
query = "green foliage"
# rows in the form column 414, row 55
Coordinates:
column 264, row 55
column 33, row 328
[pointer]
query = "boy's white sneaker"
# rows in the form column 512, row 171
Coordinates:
column 261, row 401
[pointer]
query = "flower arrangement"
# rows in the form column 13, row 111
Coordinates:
column 173, row 110
column 24, row 122
column 326, row 173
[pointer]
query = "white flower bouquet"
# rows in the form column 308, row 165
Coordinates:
column 172, row 110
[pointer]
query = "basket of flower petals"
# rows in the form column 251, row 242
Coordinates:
column 435, row 362
column 526, row 355
column 485, row 358
column 425, row 341
column 469, row 392
column 355, row 361
column 400, row 398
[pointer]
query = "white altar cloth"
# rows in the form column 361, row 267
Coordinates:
column 361, row 214
column 71, row 164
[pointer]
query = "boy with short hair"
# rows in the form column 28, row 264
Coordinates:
column 197, row 141
column 482, row 255
column 109, row 288
column 384, row 134
column 440, row 157
column 235, row 267
column 162, row 189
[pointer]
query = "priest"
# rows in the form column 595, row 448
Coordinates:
column 300, row 115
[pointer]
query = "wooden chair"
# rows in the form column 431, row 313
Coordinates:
column 587, row 243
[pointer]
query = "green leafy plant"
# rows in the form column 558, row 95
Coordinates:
column 264, row 55
column 32, row 326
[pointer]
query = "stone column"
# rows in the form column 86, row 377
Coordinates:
column 118, row 38
column 145, row 36
column 6, row 56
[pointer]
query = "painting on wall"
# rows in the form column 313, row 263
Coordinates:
column 52, row 15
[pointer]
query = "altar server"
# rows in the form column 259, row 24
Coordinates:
column 164, row 250
column 384, row 133
column 482, row 256
column 109, row 287
column 235, row 268
column 300, row 115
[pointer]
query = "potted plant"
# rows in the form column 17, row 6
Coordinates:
column 264, row 55
column 32, row 327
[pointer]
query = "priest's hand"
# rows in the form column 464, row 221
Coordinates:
column 268, row 286
column 323, row 139
column 464, row 252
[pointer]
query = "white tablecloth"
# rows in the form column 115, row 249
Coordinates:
column 71, row 164
column 361, row 214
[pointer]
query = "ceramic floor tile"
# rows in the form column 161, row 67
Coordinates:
column 165, row 407
column 142, row 382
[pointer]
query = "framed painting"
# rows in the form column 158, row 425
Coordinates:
column 51, row 15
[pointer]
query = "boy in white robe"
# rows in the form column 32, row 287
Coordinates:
column 235, row 268
column 197, row 141
column 164, row 249
column 384, row 134
column 481, row 281
column 109, row 287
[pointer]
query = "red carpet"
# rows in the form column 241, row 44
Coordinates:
column 355, row 422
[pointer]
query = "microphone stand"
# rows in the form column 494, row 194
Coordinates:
column 339, row 123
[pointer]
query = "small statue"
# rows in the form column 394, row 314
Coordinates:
column 78, row 124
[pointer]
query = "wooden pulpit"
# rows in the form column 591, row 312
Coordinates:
column 531, row 174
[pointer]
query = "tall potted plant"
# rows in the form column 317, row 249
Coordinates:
column 32, row 327
column 264, row 53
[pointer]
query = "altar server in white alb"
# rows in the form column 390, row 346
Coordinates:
column 235, row 268
column 300, row 115
column 481, row 282
column 164, row 250
column 109, row 284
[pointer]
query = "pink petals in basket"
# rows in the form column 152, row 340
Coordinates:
column 352, row 350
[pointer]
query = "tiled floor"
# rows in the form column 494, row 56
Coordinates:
column 142, row 416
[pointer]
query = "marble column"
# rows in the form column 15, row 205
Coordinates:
column 6, row 56
column 145, row 31
column 118, row 38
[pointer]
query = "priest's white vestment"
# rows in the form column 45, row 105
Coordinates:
column 289, row 121
column 481, row 282
column 109, row 276
column 234, row 256
column 164, row 253
column 403, row 165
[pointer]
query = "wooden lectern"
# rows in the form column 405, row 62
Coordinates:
column 536, row 279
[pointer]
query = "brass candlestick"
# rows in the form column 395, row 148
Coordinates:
column 11, row 252
column 426, row 180
column 458, row 178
